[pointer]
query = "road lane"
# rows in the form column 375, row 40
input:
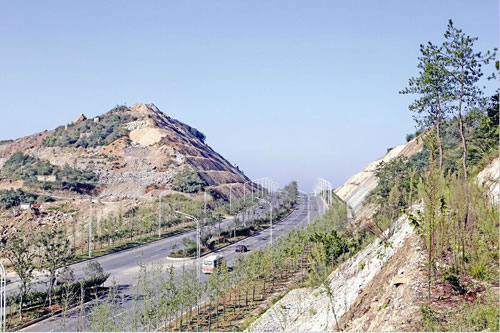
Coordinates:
column 124, row 268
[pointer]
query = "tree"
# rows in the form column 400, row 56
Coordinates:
column 432, row 85
column 56, row 252
column 464, row 71
column 19, row 251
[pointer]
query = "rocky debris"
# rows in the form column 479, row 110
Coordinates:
column 391, row 301
column 293, row 312
column 34, row 221
column 79, row 119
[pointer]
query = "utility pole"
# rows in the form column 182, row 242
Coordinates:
column 90, row 229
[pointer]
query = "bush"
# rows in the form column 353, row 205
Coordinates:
column 188, row 182
column 25, row 167
column 13, row 198
column 90, row 134
column 193, row 131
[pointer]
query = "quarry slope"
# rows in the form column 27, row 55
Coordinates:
column 133, row 154
column 130, row 149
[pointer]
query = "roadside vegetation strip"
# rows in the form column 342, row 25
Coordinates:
column 64, row 298
column 297, row 259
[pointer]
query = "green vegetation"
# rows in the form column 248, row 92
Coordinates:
column 3, row 142
column 188, row 182
column 27, row 252
column 13, row 198
column 193, row 131
column 459, row 222
column 88, row 133
column 27, row 168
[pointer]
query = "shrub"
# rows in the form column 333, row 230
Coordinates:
column 13, row 198
column 87, row 133
column 188, row 182
column 193, row 131
column 25, row 167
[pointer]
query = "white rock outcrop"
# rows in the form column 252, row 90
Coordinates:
column 311, row 309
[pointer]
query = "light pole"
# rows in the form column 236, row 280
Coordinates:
column 245, row 193
column 159, row 213
column 90, row 228
column 198, row 248
column 270, row 216
column 230, row 198
column 308, row 206
column 3, row 292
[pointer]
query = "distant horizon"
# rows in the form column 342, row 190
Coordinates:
column 284, row 89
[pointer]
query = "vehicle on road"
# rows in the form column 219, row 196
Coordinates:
column 241, row 248
column 210, row 263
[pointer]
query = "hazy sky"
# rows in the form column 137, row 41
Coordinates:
column 285, row 89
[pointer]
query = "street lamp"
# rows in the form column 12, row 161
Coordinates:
column 3, row 292
column 270, row 216
column 90, row 227
column 159, row 213
column 198, row 249
column 308, row 206
column 244, row 191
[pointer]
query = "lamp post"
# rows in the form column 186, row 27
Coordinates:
column 90, row 227
column 244, row 191
column 159, row 213
column 270, row 216
column 198, row 248
column 3, row 292
column 308, row 206
column 323, row 186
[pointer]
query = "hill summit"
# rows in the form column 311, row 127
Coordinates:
column 123, row 153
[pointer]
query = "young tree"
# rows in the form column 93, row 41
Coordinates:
column 21, row 254
column 56, row 252
column 432, row 85
column 464, row 71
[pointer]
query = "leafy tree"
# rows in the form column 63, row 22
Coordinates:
column 56, row 252
column 432, row 85
column 464, row 67
column 20, row 252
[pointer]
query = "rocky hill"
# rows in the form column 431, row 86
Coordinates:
column 124, row 153
column 123, row 159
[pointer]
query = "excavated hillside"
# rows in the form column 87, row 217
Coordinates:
column 123, row 159
column 130, row 150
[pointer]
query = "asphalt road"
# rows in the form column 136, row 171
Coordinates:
column 123, row 266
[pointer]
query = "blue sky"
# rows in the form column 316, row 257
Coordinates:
column 285, row 89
